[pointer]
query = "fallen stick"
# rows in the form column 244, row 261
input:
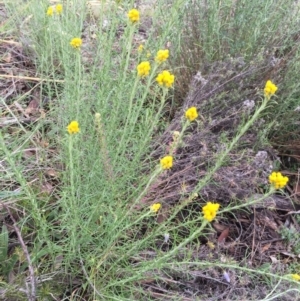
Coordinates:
column 35, row 79
column 30, row 294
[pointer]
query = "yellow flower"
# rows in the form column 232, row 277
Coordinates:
column 166, row 162
column 59, row 9
column 162, row 55
column 54, row 8
column 143, row 68
column 295, row 277
column 165, row 78
column 73, row 127
column 148, row 54
column 50, row 11
column 210, row 211
column 278, row 180
column 270, row 89
column 191, row 113
column 140, row 48
column 133, row 15
column 155, row 207
column 76, row 43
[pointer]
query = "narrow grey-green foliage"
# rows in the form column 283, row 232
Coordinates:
column 106, row 172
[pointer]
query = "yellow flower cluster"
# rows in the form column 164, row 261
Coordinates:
column 270, row 89
column 76, row 43
column 143, row 68
column 191, row 114
column 50, row 11
column 133, row 15
column 278, row 180
column 58, row 8
column 165, row 79
column 296, row 277
column 155, row 207
column 162, row 55
column 73, row 127
column 166, row 162
column 210, row 211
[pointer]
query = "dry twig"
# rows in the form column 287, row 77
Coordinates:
column 30, row 294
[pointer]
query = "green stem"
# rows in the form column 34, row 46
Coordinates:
column 128, row 49
column 78, row 78
column 167, row 255
column 153, row 176
column 34, row 210
column 140, row 106
column 130, row 109
column 72, row 198
column 246, row 204
column 225, row 153
column 71, row 167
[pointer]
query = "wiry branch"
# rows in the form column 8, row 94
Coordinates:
column 31, row 294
